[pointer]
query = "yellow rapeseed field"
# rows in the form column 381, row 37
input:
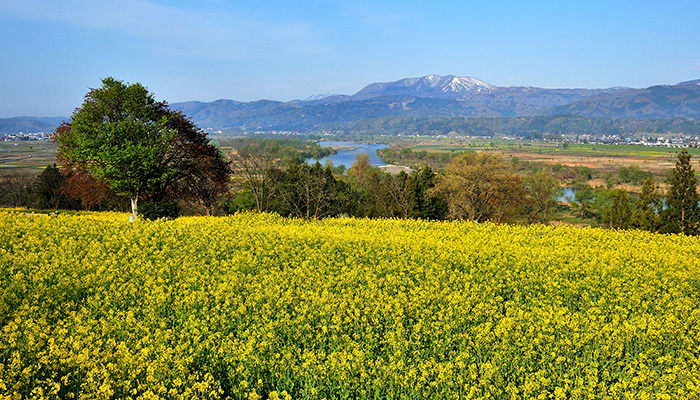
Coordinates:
column 258, row 306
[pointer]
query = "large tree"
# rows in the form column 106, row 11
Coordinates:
column 682, row 213
column 138, row 147
column 481, row 187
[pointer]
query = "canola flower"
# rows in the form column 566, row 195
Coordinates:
column 256, row 306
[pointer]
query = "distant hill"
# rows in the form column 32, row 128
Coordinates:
column 29, row 124
column 510, row 100
column 681, row 100
column 479, row 98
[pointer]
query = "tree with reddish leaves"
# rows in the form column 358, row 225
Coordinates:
column 79, row 184
column 203, row 174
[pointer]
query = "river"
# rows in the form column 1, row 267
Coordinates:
column 347, row 151
column 569, row 192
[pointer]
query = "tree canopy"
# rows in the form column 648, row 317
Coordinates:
column 682, row 212
column 140, row 148
column 481, row 187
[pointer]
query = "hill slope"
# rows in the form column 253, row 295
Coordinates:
column 29, row 124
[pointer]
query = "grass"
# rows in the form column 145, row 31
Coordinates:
column 552, row 148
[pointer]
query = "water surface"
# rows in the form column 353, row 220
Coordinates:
column 348, row 150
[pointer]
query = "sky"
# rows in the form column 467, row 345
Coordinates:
column 54, row 51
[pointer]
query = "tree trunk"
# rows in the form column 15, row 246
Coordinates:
column 683, row 217
column 135, row 206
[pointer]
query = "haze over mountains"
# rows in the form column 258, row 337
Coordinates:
column 442, row 96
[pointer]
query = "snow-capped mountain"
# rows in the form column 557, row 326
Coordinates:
column 430, row 86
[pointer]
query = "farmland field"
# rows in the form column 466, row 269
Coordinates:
column 601, row 157
column 258, row 306
column 32, row 154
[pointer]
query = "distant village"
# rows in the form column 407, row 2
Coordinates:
column 678, row 141
column 7, row 137
column 685, row 141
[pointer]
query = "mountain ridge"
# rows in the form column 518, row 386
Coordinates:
column 453, row 96
column 427, row 96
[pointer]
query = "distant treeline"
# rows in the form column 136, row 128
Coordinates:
column 576, row 176
column 525, row 127
column 272, row 176
column 285, row 148
column 473, row 186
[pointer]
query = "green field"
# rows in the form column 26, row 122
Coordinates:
column 578, row 150
column 258, row 306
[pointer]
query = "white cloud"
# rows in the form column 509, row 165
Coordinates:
column 215, row 34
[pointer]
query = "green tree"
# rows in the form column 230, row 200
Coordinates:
column 645, row 215
column 136, row 146
column 601, row 205
column 542, row 191
column 582, row 174
column 620, row 210
column 682, row 213
column 425, row 204
column 584, row 199
column 633, row 174
column 48, row 189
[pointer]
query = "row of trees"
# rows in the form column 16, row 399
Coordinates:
column 294, row 188
column 677, row 212
column 474, row 186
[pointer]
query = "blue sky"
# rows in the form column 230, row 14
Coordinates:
column 54, row 51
